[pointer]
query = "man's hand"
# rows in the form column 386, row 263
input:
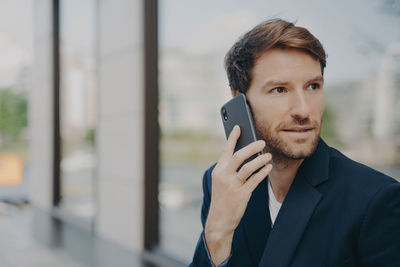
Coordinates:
column 231, row 193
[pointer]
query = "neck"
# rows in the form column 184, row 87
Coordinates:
column 282, row 175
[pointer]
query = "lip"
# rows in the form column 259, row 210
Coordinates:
column 299, row 132
column 299, row 129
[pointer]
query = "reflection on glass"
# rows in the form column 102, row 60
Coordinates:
column 78, row 106
column 14, row 160
column 192, row 88
column 15, row 65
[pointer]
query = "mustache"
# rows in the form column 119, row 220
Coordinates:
column 307, row 122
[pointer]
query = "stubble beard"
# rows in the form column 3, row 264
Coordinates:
column 280, row 149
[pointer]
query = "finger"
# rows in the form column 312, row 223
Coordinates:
column 247, row 169
column 257, row 178
column 229, row 147
column 246, row 152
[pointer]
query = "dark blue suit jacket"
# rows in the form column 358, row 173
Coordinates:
column 337, row 213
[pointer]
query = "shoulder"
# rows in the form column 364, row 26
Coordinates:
column 371, row 201
column 379, row 235
column 356, row 176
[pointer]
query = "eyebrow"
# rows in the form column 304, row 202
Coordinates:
column 269, row 83
column 319, row 78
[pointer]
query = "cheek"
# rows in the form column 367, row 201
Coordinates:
column 321, row 108
column 267, row 112
column 318, row 107
column 266, row 116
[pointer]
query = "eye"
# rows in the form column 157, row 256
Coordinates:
column 314, row 86
column 278, row 90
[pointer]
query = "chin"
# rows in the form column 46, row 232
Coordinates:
column 287, row 146
column 302, row 148
column 299, row 153
column 298, row 149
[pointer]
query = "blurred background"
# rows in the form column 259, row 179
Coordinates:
column 109, row 116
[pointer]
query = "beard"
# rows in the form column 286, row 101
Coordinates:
column 283, row 149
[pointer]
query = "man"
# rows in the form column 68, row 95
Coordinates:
column 309, row 205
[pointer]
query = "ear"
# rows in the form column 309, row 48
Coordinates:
column 235, row 93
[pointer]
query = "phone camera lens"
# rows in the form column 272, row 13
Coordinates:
column 224, row 114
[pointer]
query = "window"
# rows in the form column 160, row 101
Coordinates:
column 15, row 65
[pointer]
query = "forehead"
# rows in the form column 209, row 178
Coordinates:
column 285, row 64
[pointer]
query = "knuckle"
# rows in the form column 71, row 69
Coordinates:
column 260, row 175
column 246, row 168
column 267, row 157
column 236, row 156
column 262, row 172
column 259, row 159
column 257, row 145
column 264, row 156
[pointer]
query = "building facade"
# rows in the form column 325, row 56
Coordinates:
column 121, row 223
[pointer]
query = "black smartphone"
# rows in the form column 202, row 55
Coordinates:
column 237, row 112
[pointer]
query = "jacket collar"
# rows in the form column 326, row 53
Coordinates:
column 316, row 168
column 276, row 246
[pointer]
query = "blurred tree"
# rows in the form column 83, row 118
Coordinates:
column 90, row 136
column 328, row 130
column 13, row 116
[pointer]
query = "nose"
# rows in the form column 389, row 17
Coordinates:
column 300, row 108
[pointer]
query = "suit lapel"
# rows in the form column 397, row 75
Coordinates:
column 257, row 222
column 296, row 210
column 290, row 224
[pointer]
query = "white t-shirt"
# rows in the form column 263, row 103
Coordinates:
column 273, row 204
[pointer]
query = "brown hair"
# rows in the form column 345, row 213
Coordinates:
column 276, row 33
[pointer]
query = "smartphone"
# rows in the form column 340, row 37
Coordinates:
column 237, row 112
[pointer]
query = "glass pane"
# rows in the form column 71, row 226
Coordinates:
column 16, row 60
column 78, row 95
column 362, row 86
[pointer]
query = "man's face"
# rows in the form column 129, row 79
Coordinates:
column 287, row 102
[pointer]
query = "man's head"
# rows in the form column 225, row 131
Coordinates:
column 240, row 59
column 280, row 69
